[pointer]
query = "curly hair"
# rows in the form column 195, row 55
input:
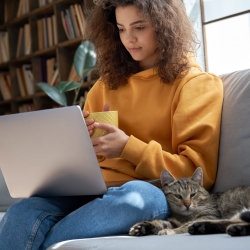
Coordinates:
column 175, row 35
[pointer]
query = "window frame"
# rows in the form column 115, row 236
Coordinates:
column 204, row 23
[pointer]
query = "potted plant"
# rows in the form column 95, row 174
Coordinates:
column 84, row 62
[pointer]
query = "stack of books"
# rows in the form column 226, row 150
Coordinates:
column 24, row 41
column 73, row 21
column 47, row 33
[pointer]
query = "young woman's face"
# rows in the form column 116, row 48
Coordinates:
column 137, row 35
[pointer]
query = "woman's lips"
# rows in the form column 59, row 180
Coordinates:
column 134, row 49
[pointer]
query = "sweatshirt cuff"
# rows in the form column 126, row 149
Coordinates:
column 133, row 150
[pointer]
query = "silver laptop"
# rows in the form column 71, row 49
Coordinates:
column 49, row 153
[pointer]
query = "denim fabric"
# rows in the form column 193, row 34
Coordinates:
column 36, row 223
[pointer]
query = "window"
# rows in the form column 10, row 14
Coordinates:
column 193, row 9
column 226, row 32
column 223, row 27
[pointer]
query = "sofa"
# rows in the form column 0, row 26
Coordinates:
column 233, row 170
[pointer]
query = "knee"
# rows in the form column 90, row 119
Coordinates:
column 145, row 189
column 144, row 196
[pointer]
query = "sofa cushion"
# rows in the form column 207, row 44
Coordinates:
column 234, row 151
column 5, row 198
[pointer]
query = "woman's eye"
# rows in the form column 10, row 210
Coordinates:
column 192, row 195
column 140, row 28
column 120, row 29
column 178, row 196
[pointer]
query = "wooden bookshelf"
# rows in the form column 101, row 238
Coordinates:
column 32, row 51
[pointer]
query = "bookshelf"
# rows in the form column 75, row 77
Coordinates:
column 34, row 46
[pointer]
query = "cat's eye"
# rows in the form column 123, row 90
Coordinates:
column 178, row 196
column 192, row 195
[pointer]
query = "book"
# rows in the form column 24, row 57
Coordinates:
column 5, row 86
column 69, row 24
column 82, row 15
column 21, row 82
column 4, row 47
column 49, row 31
column 55, row 79
column 54, row 25
column 6, row 42
column 51, row 66
column 6, row 77
column 80, row 22
column 65, row 25
column 27, row 38
column 44, row 33
column 20, row 8
column 20, row 42
column 74, row 21
column 26, row 7
column 23, row 7
column 28, row 78
column 40, row 33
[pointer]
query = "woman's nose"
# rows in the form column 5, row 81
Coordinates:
column 130, row 37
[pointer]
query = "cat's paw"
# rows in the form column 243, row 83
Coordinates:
column 142, row 228
column 166, row 232
column 238, row 230
column 200, row 228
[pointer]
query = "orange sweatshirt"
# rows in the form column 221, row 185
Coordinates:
column 174, row 127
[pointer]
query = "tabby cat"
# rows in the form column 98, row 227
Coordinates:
column 196, row 211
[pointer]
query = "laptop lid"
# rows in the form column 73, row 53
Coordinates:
column 49, row 153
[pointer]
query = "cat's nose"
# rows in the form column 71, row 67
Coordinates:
column 187, row 205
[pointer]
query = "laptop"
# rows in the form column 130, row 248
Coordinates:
column 49, row 153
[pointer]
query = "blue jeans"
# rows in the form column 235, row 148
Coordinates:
column 37, row 223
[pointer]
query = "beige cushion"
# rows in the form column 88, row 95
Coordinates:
column 234, row 152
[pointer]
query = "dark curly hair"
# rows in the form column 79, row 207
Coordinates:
column 175, row 34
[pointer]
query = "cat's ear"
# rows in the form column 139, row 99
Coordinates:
column 198, row 176
column 166, row 178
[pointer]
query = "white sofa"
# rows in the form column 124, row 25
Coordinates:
column 233, row 170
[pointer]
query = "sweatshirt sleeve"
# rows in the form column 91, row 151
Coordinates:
column 196, row 115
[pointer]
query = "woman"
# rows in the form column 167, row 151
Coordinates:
column 169, row 118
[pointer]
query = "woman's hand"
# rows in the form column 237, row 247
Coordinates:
column 112, row 144
column 90, row 122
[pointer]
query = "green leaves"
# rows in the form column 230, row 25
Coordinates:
column 53, row 93
column 84, row 63
column 56, row 93
column 85, row 58
column 67, row 86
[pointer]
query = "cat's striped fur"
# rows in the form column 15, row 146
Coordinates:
column 196, row 211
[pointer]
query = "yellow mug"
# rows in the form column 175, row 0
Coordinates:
column 110, row 117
